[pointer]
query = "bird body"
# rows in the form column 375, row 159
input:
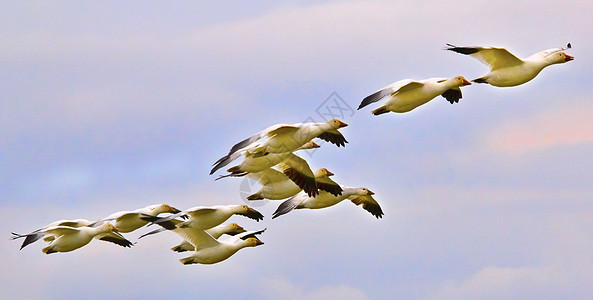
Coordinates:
column 128, row 221
column 207, row 249
column 358, row 196
column 282, row 138
column 508, row 70
column 277, row 186
column 206, row 217
column 405, row 95
column 216, row 232
column 67, row 238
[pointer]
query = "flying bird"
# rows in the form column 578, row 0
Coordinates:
column 66, row 238
column 508, row 70
column 128, row 221
column 216, row 232
column 277, row 186
column 285, row 138
column 407, row 94
column 358, row 196
column 294, row 168
column 39, row 233
column 256, row 163
column 206, row 217
column 207, row 249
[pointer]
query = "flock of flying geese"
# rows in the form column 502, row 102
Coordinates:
column 268, row 158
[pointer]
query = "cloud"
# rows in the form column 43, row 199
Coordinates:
column 553, row 127
column 273, row 288
column 502, row 282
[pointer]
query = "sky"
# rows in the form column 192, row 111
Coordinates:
column 110, row 106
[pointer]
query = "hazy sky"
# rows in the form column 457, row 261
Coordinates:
column 110, row 105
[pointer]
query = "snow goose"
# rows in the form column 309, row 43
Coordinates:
column 39, row 233
column 207, row 249
column 508, row 70
column 358, row 196
column 407, row 94
column 66, row 238
column 277, row 186
column 128, row 221
column 253, row 163
column 294, row 167
column 216, row 232
column 285, row 138
column 206, row 217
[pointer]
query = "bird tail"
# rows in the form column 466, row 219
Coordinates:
column 379, row 111
column 255, row 196
column 178, row 248
column 187, row 261
column 479, row 80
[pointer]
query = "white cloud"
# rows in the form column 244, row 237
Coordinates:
column 503, row 283
column 551, row 127
column 274, row 288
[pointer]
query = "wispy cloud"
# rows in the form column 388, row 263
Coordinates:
column 552, row 127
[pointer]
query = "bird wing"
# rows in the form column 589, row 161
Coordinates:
column 327, row 184
column 244, row 235
column 61, row 230
column 283, row 130
column 290, row 204
column 452, row 95
column 384, row 92
column 116, row 238
column 199, row 238
column 368, row 203
column 251, row 214
column 199, row 211
column 128, row 217
column 239, row 148
column 268, row 176
column 298, row 170
column 334, row 137
column 495, row 58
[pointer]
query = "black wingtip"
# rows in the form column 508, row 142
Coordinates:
column 461, row 50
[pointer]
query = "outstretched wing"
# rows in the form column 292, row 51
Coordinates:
column 452, row 95
column 495, row 58
column 368, row 203
column 384, row 92
column 298, row 170
column 290, row 204
column 334, row 137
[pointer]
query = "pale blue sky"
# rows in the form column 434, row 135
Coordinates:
column 110, row 106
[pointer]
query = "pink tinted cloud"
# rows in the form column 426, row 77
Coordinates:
column 559, row 127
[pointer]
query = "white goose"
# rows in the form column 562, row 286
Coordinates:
column 407, row 94
column 277, row 186
column 508, row 70
column 216, row 232
column 358, row 196
column 256, row 163
column 66, row 239
column 294, row 167
column 39, row 233
column 231, row 229
column 207, row 249
column 206, row 217
column 128, row 221
column 285, row 138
